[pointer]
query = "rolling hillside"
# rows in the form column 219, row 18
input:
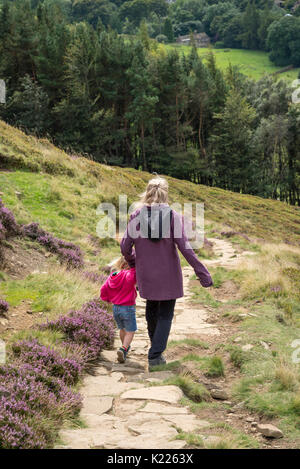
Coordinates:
column 62, row 192
column 254, row 64
column 253, row 254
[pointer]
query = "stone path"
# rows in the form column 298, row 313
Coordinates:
column 125, row 407
column 226, row 254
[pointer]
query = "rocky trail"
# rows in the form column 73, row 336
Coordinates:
column 125, row 406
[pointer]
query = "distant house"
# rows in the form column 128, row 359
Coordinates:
column 201, row 40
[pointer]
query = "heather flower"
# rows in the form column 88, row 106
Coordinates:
column 2, row 232
column 8, row 226
column 66, row 251
column 91, row 327
column 34, row 390
column 95, row 277
column 30, row 400
column 3, row 306
column 44, row 358
column 16, row 433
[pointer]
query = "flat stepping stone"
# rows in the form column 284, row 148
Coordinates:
column 140, row 442
column 96, row 405
column 154, row 427
column 108, row 355
column 125, row 369
column 125, row 409
column 108, row 386
column 187, row 423
column 153, row 407
column 161, row 375
column 82, row 438
column 170, row 394
column 103, row 385
column 101, row 370
column 100, row 421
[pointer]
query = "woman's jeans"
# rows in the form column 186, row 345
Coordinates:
column 159, row 316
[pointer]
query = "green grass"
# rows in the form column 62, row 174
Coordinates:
column 196, row 392
column 190, row 342
column 216, row 367
column 56, row 292
column 171, row 366
column 229, row 438
column 254, row 64
column 63, row 194
column 192, row 439
column 237, row 356
column 270, row 382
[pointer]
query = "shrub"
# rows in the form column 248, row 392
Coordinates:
column 30, row 400
column 216, row 367
column 95, row 277
column 237, row 357
column 66, row 251
column 16, row 432
column 194, row 391
column 45, row 359
column 162, row 39
column 45, row 392
column 8, row 224
column 3, row 306
column 91, row 327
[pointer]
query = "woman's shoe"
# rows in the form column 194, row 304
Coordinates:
column 156, row 362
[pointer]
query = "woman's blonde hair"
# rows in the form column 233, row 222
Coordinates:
column 156, row 192
column 119, row 264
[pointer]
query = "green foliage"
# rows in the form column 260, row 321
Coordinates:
column 129, row 102
column 283, row 41
column 194, row 391
column 215, row 367
column 237, row 356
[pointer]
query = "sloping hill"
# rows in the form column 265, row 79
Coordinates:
column 42, row 183
column 254, row 303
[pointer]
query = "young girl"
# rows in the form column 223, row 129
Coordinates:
column 119, row 289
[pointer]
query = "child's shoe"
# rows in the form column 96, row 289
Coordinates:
column 122, row 355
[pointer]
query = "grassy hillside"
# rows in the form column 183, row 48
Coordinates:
column 255, row 303
column 254, row 64
column 41, row 183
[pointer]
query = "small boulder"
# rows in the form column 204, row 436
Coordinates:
column 269, row 431
column 220, row 394
column 250, row 419
column 237, row 340
column 247, row 348
column 264, row 345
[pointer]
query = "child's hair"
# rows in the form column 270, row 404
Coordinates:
column 119, row 264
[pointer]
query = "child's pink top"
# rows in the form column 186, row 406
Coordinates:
column 119, row 288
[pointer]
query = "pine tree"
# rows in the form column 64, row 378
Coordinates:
column 141, row 110
column 168, row 30
column 251, row 25
column 230, row 144
column 143, row 35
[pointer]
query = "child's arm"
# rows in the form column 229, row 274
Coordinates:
column 104, row 293
column 131, row 277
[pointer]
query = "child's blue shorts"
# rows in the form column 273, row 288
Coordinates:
column 125, row 317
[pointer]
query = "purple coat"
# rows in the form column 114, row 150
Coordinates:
column 158, row 269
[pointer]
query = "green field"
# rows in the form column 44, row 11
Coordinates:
column 252, row 63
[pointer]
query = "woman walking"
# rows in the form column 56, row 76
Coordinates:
column 153, row 232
